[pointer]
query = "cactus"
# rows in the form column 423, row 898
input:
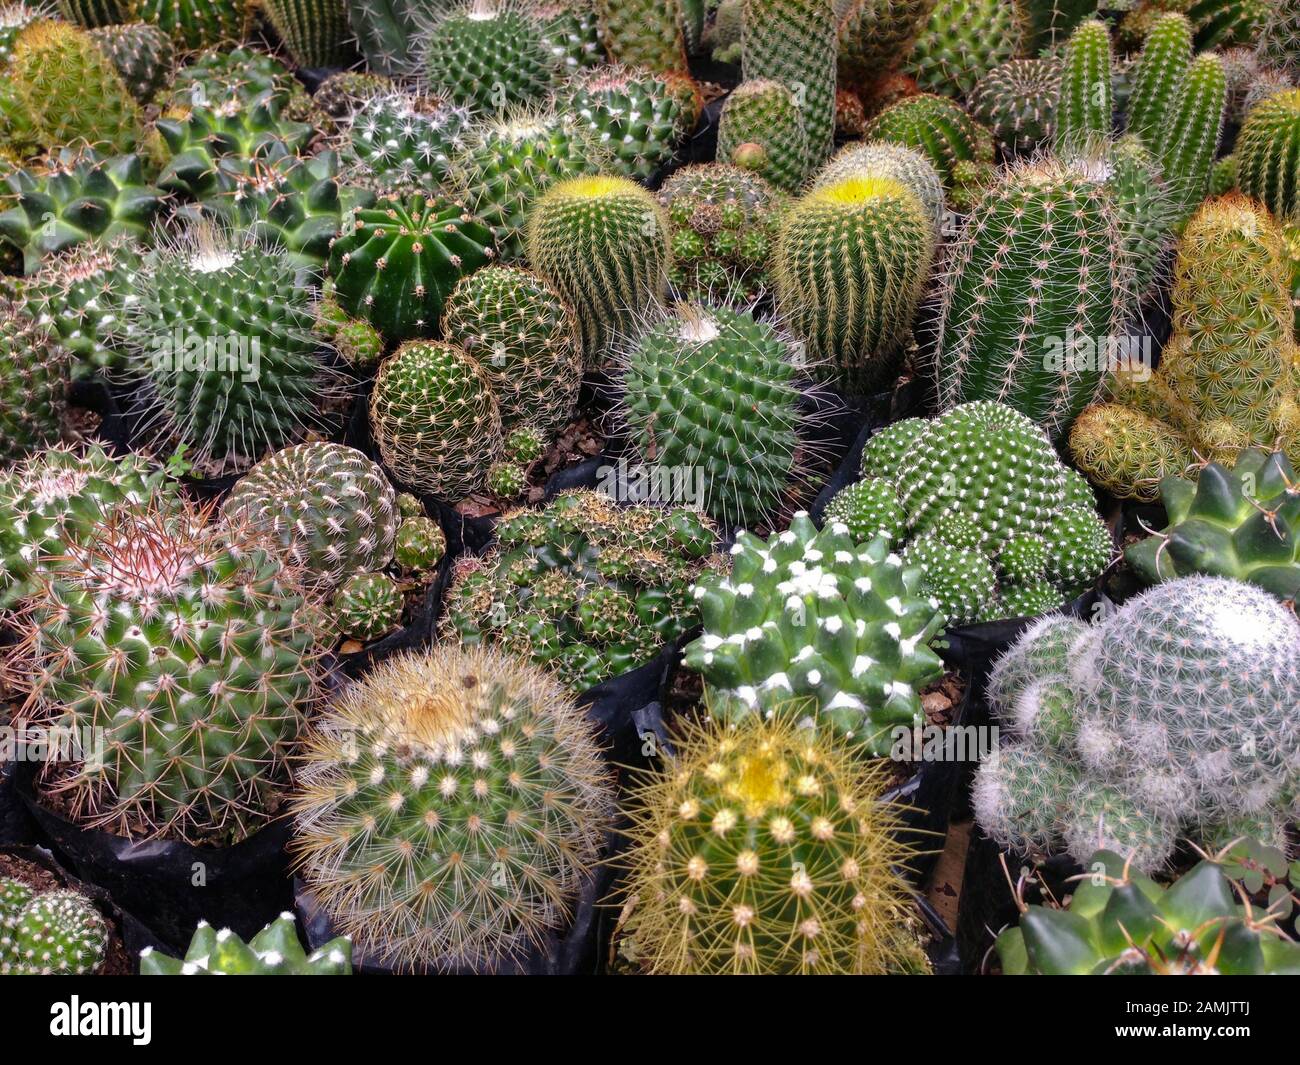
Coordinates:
column 143, row 55
column 851, row 261
column 724, row 226
column 1206, row 665
column 508, row 162
column 51, row 933
column 634, row 113
column 1241, row 521
column 937, row 128
column 329, row 509
column 1159, row 75
column 889, row 160
column 870, row 509
column 716, row 834
column 1186, row 150
column 387, row 32
column 342, row 93
column 315, row 32
column 435, row 419
column 762, row 129
column 367, row 606
column 420, row 545
column 603, row 243
column 581, row 586
column 220, row 76
column 962, row 41
column 645, row 33
column 196, row 729
column 396, row 262
column 1268, row 154
column 1083, row 110
column 794, row 42
column 33, row 382
column 525, row 340
column 495, row 805
column 397, row 142
column 196, row 24
column 506, row 480
column 712, row 391
column 274, row 951
column 1119, row 921
column 1018, row 102
column 487, row 57
column 876, row 35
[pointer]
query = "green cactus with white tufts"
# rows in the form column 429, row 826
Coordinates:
column 315, row 32
column 366, row 606
column 632, row 112
column 571, row 32
column 143, row 55
column 49, row 933
column 962, row 41
column 938, row 128
column 481, row 784
column 274, row 951
column 1018, row 102
column 1038, row 285
column 762, row 129
column 1268, row 154
column 329, row 509
column 487, row 57
column 851, row 261
column 398, row 142
column 602, row 242
column 1083, row 109
column 34, row 371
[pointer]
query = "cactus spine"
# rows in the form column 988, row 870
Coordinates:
column 1268, row 154
column 1083, row 111
column 762, row 129
column 314, row 31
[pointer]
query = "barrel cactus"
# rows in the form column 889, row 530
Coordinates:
column 195, row 24
column 488, row 57
column 889, row 160
column 274, row 951
column 964, row 40
column 366, row 606
column 49, row 933
column 143, row 55
column 1017, row 101
column 762, row 129
column 937, row 127
column 315, row 32
column 419, row 545
column 1266, row 154
column 631, row 112
column 399, row 142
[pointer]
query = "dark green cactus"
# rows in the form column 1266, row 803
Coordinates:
column 488, row 57
column 314, row 31
column 49, row 933
column 938, row 128
column 398, row 142
column 962, row 41
column 387, row 32
column 762, row 129
column 633, row 113
column 1083, row 110
column 367, row 606
column 1018, row 102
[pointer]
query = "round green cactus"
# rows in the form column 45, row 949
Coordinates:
column 53, row 933
column 195, row 24
column 398, row 142
column 762, row 129
column 506, row 480
column 328, row 507
column 631, row 112
column 571, row 32
column 1018, row 797
column 876, row 36
column 870, row 509
column 395, row 263
column 274, row 951
column 964, row 40
column 1017, row 101
column 457, row 803
column 367, row 606
column 938, row 128
column 525, row 444
column 143, row 55
column 959, row 578
column 343, row 93
column 889, row 160
column 420, row 544
column 489, row 57
column 34, row 370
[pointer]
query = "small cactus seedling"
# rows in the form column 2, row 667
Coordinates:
column 51, row 933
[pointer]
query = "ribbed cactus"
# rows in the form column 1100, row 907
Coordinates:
column 571, row 33
column 212, row 672
column 92, row 13
column 851, row 261
column 487, row 57
column 603, row 243
column 889, row 160
column 762, row 129
column 794, row 42
column 218, row 76
column 330, row 510
column 419, row 545
column 366, row 606
column 1186, row 149
column 815, row 623
column 453, row 803
column 274, row 951
column 387, row 32
column 936, row 127
column 646, row 33
column 1159, row 74
column 1083, row 110
column 49, row 933
column 435, row 419
column 1038, row 292
column 195, row 24
column 34, row 371
column 399, row 142
column 962, row 41
column 524, row 338
column 395, row 263
column 633, row 113
column 143, row 55
column 1268, row 154
column 315, row 32
column 1018, row 102
column 876, row 35
column 764, row 849
column 712, row 391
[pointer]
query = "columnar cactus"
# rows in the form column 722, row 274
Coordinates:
column 274, row 951
column 403, row 143
column 214, row 654
column 936, row 127
column 195, row 24
column 480, row 780
column 367, row 606
column 716, row 835
column 1159, row 74
column 1186, row 148
column 1038, row 290
column 762, row 129
column 603, row 243
column 395, row 263
column 1083, row 110
column 435, row 419
column 1018, row 102
column 50, row 933
column 314, row 31
column 851, row 261
column 488, row 57
column 962, row 41
column 632, row 112
column 143, row 55
column 34, row 371
column 330, row 509
column 1268, row 154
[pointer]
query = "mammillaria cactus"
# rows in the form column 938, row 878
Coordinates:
column 1207, row 665
column 1017, row 101
column 524, row 338
column 435, row 419
column 483, row 778
column 420, row 544
column 717, row 833
column 367, row 606
column 274, row 951
column 221, row 341
column 712, row 391
column 314, row 31
column 215, row 665
column 195, row 24
column 143, row 55
column 50, row 933
column 583, row 586
column 876, row 35
column 762, row 129
column 648, row 33
column 1241, row 521
column 962, row 41
column 631, row 111
column 1038, row 284
column 1119, row 921
column 936, row 127
column 815, row 623
column 328, row 507
column 603, row 243
column 34, row 370
column 1267, row 151
column 396, row 262
column 851, row 261
column 487, row 57
column 398, row 142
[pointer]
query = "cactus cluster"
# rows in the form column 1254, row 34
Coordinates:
column 49, row 933
column 34, row 371
column 274, row 951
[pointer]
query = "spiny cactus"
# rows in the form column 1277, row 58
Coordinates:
column 1186, row 149
column 214, row 673
column 1018, row 101
column 396, row 262
column 571, row 32
column 143, row 55
column 34, row 371
column 218, row 76
column 524, row 338
column 488, row 57
column 314, row 31
column 1159, row 74
column 435, row 419
column 717, row 833
column 962, row 41
column 50, row 933
column 851, row 261
column 1241, row 521
column 330, row 510
column 889, row 160
column 196, row 24
column 1083, row 110
column 647, row 33
column 762, row 129
column 342, row 93
column 1038, row 285
column 367, row 606
column 582, row 586
column 938, row 128
column 274, row 951
column 483, row 778
column 1268, row 154
column 419, row 545
column 397, row 142
column 632, row 112
column 876, row 35
column 387, row 32
column 603, row 243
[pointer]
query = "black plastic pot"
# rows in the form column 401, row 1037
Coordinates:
column 16, row 825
